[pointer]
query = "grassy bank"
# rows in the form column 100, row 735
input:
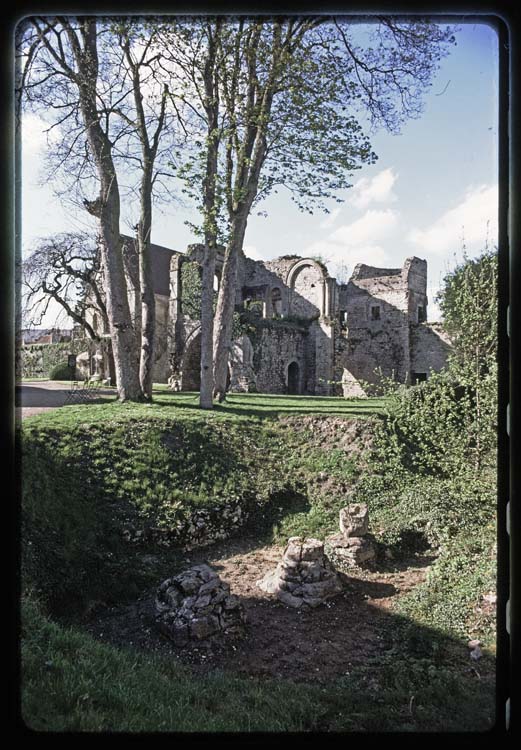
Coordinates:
column 73, row 683
column 93, row 472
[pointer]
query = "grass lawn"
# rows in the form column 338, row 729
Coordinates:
column 185, row 405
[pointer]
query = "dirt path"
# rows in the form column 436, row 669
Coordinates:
column 313, row 645
column 40, row 396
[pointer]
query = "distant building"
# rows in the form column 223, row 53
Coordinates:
column 45, row 335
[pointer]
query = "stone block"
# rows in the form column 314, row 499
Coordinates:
column 354, row 520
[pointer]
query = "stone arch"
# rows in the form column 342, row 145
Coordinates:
column 293, row 378
column 306, row 280
column 191, row 362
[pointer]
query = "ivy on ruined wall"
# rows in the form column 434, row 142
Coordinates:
column 37, row 360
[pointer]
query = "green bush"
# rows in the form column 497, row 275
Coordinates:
column 62, row 371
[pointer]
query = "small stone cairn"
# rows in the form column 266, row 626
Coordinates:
column 349, row 548
column 197, row 604
column 304, row 577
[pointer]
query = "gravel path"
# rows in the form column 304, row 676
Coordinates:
column 43, row 395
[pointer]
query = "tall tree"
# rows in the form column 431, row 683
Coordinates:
column 290, row 92
column 211, row 107
column 141, row 56
column 99, row 84
column 61, row 73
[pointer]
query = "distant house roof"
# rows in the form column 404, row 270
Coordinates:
column 160, row 257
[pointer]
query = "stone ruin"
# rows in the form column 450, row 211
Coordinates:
column 197, row 604
column 350, row 548
column 304, row 576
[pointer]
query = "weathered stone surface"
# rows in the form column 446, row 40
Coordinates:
column 306, row 583
column 292, row 601
column 203, row 627
column 351, row 553
column 312, row 549
column 354, row 520
column 196, row 604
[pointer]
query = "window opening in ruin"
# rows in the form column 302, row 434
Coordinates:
column 422, row 317
column 418, row 377
column 276, row 303
column 293, row 378
column 375, row 312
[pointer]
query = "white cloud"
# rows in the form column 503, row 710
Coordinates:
column 330, row 219
column 251, row 252
column 473, row 220
column 361, row 241
column 377, row 189
column 34, row 137
column 372, row 226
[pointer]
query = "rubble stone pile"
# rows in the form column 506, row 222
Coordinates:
column 304, row 576
column 350, row 548
column 197, row 604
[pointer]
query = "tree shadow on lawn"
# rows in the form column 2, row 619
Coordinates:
column 270, row 412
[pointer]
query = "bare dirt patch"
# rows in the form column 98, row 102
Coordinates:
column 314, row 645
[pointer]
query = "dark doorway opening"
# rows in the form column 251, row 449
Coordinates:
column 293, row 378
column 418, row 377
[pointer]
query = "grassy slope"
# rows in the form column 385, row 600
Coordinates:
column 71, row 682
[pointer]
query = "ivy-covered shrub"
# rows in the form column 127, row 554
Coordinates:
column 62, row 371
column 37, row 360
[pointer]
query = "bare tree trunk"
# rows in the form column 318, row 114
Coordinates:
column 107, row 209
column 148, row 302
column 121, row 331
column 207, row 326
column 149, row 153
column 223, row 325
column 210, row 230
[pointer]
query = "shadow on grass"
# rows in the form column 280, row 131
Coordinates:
column 267, row 406
column 372, row 669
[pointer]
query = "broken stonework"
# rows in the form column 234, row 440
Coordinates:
column 349, row 549
column 354, row 520
column 197, row 604
column 304, row 577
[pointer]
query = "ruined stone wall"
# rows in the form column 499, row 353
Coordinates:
column 414, row 276
column 430, row 347
column 258, row 279
column 161, row 369
column 336, row 334
column 275, row 347
column 376, row 330
column 322, row 333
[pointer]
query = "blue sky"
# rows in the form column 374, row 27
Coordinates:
column 433, row 187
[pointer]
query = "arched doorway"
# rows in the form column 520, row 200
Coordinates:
column 293, row 378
